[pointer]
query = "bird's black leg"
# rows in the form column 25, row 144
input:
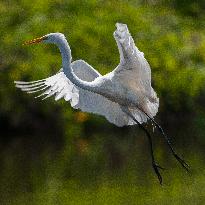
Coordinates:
column 155, row 166
column 179, row 159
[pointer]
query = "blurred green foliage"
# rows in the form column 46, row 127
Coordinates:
column 52, row 154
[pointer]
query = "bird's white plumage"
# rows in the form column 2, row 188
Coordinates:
column 132, row 74
column 134, row 70
column 60, row 86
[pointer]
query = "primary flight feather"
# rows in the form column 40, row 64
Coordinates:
column 124, row 96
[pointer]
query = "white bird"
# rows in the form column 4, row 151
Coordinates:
column 124, row 96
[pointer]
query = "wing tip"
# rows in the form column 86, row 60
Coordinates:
column 28, row 82
column 121, row 26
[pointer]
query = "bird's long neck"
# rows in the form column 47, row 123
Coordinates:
column 67, row 69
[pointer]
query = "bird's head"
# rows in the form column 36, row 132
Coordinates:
column 48, row 38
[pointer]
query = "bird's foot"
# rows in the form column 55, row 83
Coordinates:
column 182, row 162
column 156, row 168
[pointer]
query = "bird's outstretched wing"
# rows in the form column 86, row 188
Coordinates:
column 133, row 66
column 60, row 86
column 134, row 70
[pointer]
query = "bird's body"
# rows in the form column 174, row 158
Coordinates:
column 128, row 85
column 124, row 96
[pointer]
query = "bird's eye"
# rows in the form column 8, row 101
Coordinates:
column 45, row 38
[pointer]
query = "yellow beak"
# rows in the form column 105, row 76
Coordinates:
column 34, row 41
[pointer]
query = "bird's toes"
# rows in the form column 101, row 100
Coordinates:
column 182, row 162
column 156, row 168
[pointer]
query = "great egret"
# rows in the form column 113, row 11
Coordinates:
column 124, row 96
